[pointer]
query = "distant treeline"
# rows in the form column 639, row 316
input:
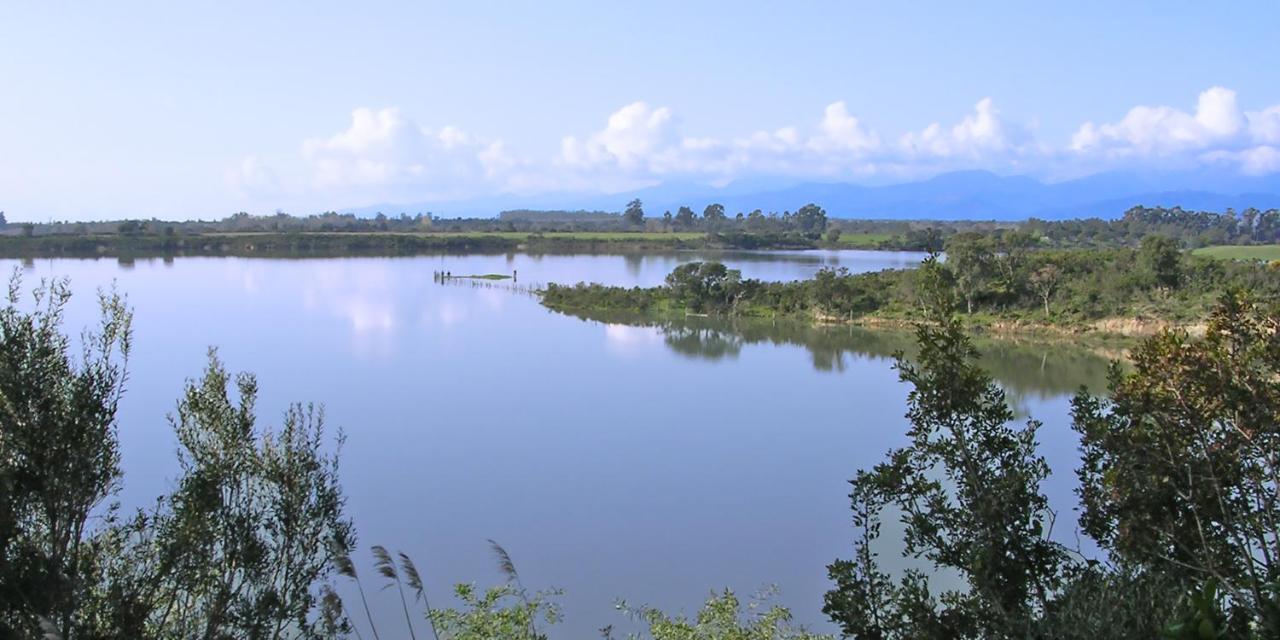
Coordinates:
column 269, row 245
column 1190, row 228
column 807, row 227
column 530, row 215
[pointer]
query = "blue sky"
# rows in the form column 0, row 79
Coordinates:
column 201, row 109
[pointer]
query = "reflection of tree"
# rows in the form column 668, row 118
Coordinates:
column 635, row 261
column 1027, row 370
column 702, row 342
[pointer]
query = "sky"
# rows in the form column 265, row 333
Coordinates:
column 185, row 110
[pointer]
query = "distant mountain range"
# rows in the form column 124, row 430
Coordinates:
column 974, row 195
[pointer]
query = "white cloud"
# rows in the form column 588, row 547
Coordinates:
column 382, row 155
column 841, row 131
column 980, row 134
column 384, row 150
column 1218, row 131
column 635, row 137
column 253, row 177
column 1253, row 161
column 1264, row 125
column 1164, row 130
column 643, row 143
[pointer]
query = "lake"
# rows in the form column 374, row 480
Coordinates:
column 616, row 460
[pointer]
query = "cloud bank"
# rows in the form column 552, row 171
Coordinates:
column 383, row 155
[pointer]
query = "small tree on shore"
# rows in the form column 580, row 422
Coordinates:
column 1045, row 282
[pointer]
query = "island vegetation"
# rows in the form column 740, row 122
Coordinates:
column 1004, row 281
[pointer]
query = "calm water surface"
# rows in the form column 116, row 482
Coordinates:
column 614, row 460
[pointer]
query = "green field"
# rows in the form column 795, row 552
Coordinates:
column 863, row 240
column 1241, row 252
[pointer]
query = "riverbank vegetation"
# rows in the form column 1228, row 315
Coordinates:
column 1179, row 469
column 1003, row 282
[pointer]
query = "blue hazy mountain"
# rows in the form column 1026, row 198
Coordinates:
column 949, row 196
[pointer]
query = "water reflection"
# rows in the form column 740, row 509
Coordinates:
column 1026, row 369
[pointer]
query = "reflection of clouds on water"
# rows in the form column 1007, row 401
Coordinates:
column 367, row 316
column 495, row 299
column 630, row 340
column 246, row 279
column 444, row 313
column 364, row 298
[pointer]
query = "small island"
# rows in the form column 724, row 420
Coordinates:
column 1001, row 282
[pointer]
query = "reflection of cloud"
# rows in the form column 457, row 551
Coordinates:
column 628, row 340
column 448, row 314
column 365, row 302
column 367, row 316
column 494, row 299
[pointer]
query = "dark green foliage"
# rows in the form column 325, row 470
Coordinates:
column 251, row 528
column 713, row 214
column 634, row 215
column 598, row 296
column 1161, row 260
column 243, row 546
column 1181, row 465
column 59, row 456
column 685, row 218
column 703, row 287
column 1187, row 228
column 811, row 219
column 1179, row 481
column 968, row 488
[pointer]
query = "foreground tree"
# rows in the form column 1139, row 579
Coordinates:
column 1181, row 468
column 250, row 535
column 59, row 455
column 242, row 548
column 967, row 487
column 720, row 618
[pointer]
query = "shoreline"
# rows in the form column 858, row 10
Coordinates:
column 391, row 244
column 1113, row 342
